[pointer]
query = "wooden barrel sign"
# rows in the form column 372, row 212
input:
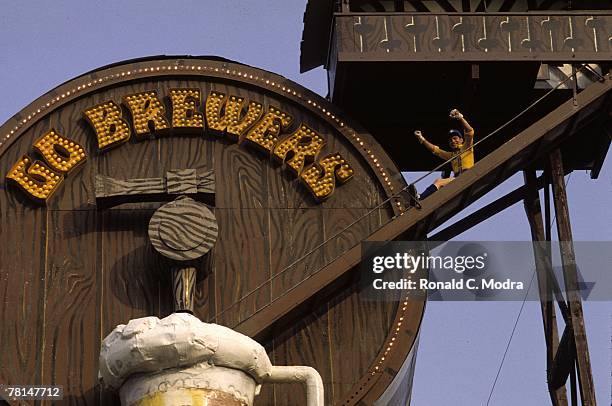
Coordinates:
column 289, row 182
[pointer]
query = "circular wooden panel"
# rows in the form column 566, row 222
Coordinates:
column 183, row 229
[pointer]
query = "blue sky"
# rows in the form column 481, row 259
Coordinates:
column 46, row 43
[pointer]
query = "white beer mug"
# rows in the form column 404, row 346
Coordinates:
column 179, row 360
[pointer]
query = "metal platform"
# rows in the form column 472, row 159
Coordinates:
column 401, row 66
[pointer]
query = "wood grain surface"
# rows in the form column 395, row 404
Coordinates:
column 22, row 279
column 70, row 272
column 73, row 290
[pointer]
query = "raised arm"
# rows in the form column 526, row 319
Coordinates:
column 437, row 151
column 468, row 131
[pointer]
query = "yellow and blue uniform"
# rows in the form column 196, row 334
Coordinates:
column 463, row 158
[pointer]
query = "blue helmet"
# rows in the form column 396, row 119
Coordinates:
column 454, row 132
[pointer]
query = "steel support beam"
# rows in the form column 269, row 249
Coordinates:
column 541, row 251
column 481, row 214
column 483, row 6
column 568, row 259
column 563, row 362
column 598, row 163
column 419, row 6
column 507, row 5
column 446, row 6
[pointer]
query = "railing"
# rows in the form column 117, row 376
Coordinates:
column 547, row 37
